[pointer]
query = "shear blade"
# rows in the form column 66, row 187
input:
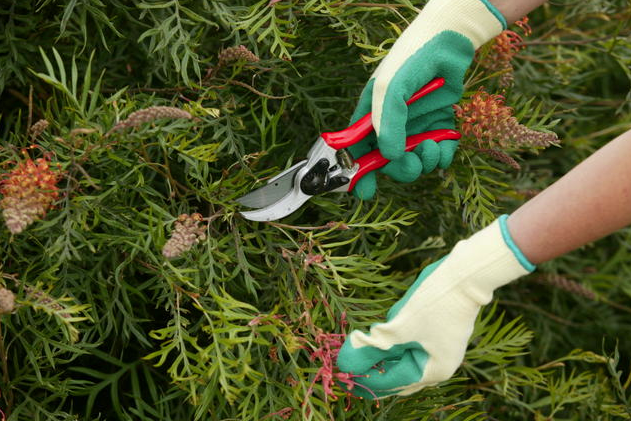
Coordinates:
column 276, row 188
column 279, row 209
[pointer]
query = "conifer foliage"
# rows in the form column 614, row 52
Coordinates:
column 132, row 289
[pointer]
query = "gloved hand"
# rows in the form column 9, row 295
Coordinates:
column 440, row 42
column 425, row 336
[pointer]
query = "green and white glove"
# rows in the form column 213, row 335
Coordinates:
column 440, row 42
column 425, row 336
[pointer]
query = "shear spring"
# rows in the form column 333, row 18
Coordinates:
column 345, row 159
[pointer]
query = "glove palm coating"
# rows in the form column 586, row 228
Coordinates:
column 440, row 42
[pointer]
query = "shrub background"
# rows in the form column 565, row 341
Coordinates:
column 105, row 327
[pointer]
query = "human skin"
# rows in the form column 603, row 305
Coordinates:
column 588, row 203
column 513, row 10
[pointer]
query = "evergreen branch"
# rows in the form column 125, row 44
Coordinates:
column 40, row 299
column 497, row 342
column 5, row 374
column 231, row 325
column 428, row 244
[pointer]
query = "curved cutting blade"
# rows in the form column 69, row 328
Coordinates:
column 281, row 208
column 274, row 190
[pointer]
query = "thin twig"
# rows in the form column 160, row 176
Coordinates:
column 167, row 174
column 538, row 310
column 85, row 173
column 618, row 128
column 328, row 225
column 5, row 374
column 12, row 277
column 259, row 93
column 30, row 108
column 533, row 59
column 549, row 365
column 365, row 4
column 614, row 304
column 307, row 304
column 214, row 216
column 573, row 41
column 151, row 90
column 25, row 100
column 483, row 385
column 18, row 95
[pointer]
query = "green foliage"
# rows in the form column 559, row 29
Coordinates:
column 105, row 327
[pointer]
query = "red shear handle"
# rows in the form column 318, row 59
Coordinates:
column 360, row 129
column 374, row 160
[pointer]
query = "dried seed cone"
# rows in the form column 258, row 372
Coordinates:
column 7, row 301
column 29, row 191
column 566, row 284
column 571, row 286
column 186, row 234
column 45, row 300
column 38, row 128
column 529, row 193
column 501, row 157
column 232, row 54
column 146, row 115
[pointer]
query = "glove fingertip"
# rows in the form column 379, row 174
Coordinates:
column 429, row 153
column 402, row 368
column 404, row 170
column 357, row 360
column 447, row 152
column 366, row 187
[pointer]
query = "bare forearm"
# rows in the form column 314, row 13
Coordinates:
column 516, row 9
column 589, row 202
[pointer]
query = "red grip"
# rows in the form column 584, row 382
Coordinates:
column 374, row 160
column 360, row 129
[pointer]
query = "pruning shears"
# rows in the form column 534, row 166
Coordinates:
column 330, row 167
